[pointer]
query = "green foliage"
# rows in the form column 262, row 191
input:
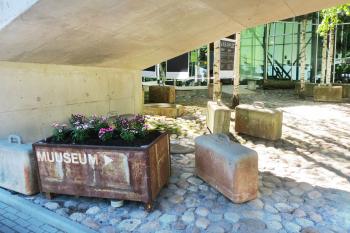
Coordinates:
column 163, row 126
column 81, row 133
column 331, row 17
column 127, row 135
column 60, row 131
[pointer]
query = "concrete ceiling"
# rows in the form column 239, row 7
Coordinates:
column 134, row 33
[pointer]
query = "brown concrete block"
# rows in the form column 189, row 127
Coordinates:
column 259, row 121
column 18, row 170
column 278, row 84
column 162, row 94
column 328, row 93
column 163, row 109
column 346, row 89
column 218, row 117
column 229, row 167
column 309, row 89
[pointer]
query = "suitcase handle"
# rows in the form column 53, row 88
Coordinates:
column 259, row 104
column 14, row 139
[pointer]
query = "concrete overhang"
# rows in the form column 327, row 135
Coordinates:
column 134, row 33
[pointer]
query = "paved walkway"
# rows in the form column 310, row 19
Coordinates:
column 12, row 221
column 304, row 178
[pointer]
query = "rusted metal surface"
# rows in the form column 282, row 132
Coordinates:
column 230, row 168
column 128, row 173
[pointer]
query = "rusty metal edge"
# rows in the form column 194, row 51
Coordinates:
column 41, row 143
column 35, row 211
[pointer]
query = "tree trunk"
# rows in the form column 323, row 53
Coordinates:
column 324, row 60
column 208, row 65
column 236, row 67
column 302, row 60
column 330, row 56
column 217, row 86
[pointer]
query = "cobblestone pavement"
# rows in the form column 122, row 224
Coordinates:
column 304, row 178
column 13, row 221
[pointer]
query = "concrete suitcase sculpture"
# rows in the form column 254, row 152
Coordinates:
column 258, row 121
column 229, row 167
column 18, row 170
column 218, row 117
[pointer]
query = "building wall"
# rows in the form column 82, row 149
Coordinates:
column 33, row 96
column 10, row 9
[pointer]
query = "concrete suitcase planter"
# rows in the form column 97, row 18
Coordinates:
column 328, row 93
column 124, row 173
column 258, row 121
column 229, row 167
column 18, row 170
column 162, row 94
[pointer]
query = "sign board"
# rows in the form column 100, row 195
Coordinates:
column 227, row 54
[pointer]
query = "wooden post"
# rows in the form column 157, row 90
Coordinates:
column 217, row 86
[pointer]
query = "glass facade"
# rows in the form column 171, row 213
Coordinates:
column 273, row 51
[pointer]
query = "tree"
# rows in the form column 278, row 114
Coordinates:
column 302, row 59
column 236, row 67
column 330, row 18
column 217, row 85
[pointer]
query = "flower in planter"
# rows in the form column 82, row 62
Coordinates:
column 60, row 131
column 81, row 132
column 98, row 122
column 129, row 129
column 105, row 134
column 77, row 119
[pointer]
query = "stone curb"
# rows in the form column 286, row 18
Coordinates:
column 43, row 214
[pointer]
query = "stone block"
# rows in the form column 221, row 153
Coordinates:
column 162, row 94
column 328, row 93
column 278, row 84
column 258, row 121
column 164, row 109
column 309, row 89
column 346, row 89
column 229, row 167
column 18, row 170
column 218, row 117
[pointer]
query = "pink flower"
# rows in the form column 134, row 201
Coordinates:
column 103, row 131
